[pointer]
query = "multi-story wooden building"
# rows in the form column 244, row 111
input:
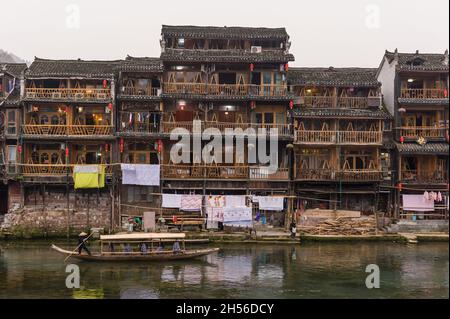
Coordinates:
column 68, row 118
column 226, row 77
column 415, row 89
column 338, row 137
column 11, row 79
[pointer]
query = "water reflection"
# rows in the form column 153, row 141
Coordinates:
column 32, row 270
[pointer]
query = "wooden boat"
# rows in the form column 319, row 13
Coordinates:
column 108, row 252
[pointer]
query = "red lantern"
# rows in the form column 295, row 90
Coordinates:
column 19, row 149
column 252, row 104
column 445, row 93
column 105, row 83
column 252, row 67
column 110, row 106
column 67, row 151
column 160, row 146
column 174, row 218
column 286, row 67
column 291, row 104
column 399, row 186
column 121, row 145
column 106, row 147
column 402, row 139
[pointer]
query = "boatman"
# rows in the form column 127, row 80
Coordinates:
column 82, row 237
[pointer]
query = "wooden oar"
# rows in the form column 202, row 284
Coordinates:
column 78, row 247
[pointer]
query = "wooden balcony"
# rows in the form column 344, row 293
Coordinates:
column 348, row 175
column 338, row 137
column 67, row 130
column 282, row 129
column 359, row 137
column 68, row 94
column 204, row 172
column 424, row 177
column 263, row 173
column 222, row 172
column 423, row 94
column 352, row 102
column 318, row 101
column 424, row 131
column 242, row 90
column 141, row 91
column 141, row 128
column 52, row 170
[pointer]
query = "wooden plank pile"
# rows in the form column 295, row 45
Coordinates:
column 342, row 226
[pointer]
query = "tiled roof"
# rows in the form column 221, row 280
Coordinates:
column 43, row 68
column 208, row 32
column 347, row 113
column 180, row 55
column 141, row 64
column 362, row 77
column 440, row 101
column 419, row 61
column 12, row 99
column 427, row 148
column 15, row 69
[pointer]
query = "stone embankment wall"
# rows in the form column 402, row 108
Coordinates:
column 50, row 214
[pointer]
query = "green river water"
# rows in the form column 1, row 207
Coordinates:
column 30, row 269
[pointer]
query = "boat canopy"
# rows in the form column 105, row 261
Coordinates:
column 142, row 236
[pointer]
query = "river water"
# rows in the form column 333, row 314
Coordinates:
column 30, row 269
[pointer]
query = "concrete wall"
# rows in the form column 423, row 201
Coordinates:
column 387, row 78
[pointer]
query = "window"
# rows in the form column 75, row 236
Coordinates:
column 12, row 153
column 268, row 118
column 12, row 126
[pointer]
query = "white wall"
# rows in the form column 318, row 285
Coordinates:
column 387, row 77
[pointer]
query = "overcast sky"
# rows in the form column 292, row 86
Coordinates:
column 323, row 33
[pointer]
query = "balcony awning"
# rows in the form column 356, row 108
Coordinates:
column 427, row 148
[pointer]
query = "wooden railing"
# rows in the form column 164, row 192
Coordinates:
column 319, row 174
column 263, row 173
column 352, row 102
column 66, row 130
column 415, row 176
column 68, row 94
column 225, row 89
column 44, row 170
column 204, row 171
column 425, row 131
column 223, row 172
column 339, row 137
column 303, row 136
column 360, row 137
column 333, row 174
column 141, row 91
column 424, row 93
column 283, row 129
column 318, row 101
column 141, row 128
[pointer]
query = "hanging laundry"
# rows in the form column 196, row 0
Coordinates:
column 417, row 203
column 191, row 202
column 88, row 176
column 439, row 197
column 235, row 201
column 140, row 174
column 258, row 216
column 215, row 201
column 171, row 200
column 426, row 196
column 237, row 216
column 271, row 203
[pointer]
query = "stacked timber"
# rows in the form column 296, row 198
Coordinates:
column 342, row 226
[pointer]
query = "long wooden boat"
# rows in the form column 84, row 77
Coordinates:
column 151, row 254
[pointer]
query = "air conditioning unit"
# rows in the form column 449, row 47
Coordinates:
column 56, row 95
column 256, row 49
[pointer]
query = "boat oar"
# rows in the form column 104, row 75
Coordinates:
column 84, row 240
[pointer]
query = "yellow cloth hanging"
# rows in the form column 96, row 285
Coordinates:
column 88, row 176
